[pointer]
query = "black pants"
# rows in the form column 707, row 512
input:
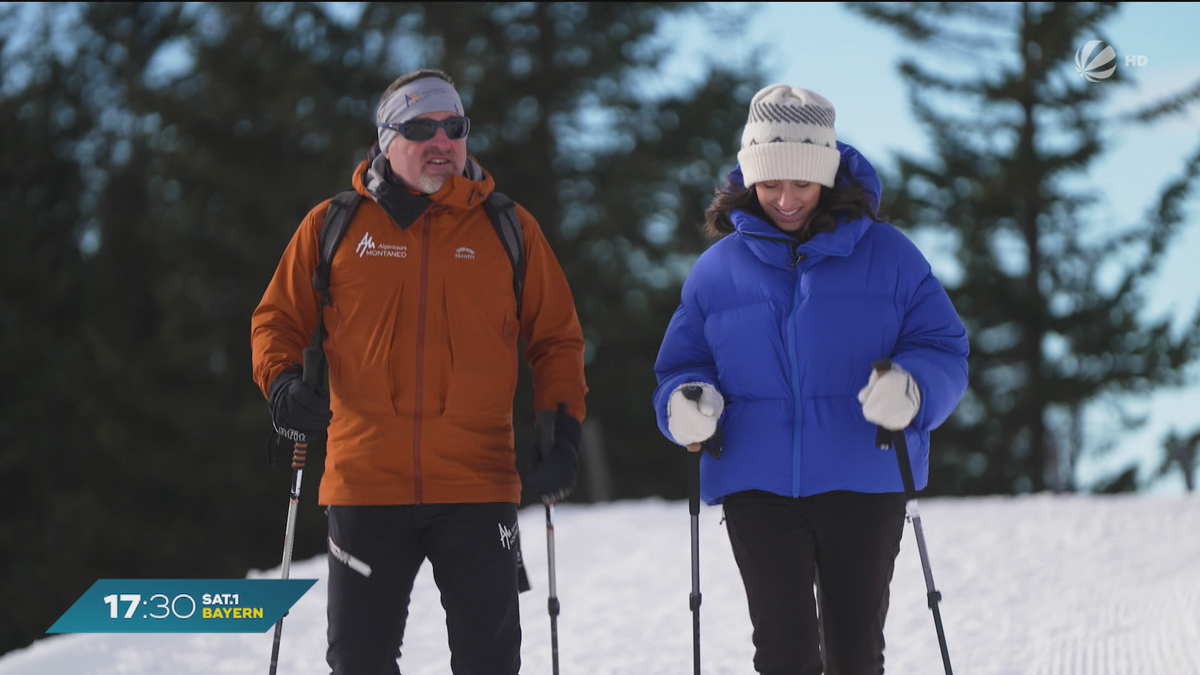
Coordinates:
column 473, row 551
column 846, row 542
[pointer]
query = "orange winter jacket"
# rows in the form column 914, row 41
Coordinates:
column 422, row 347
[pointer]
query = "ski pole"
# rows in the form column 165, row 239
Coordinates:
column 694, row 452
column 914, row 515
column 546, row 442
column 312, row 366
column 694, row 508
column 552, row 605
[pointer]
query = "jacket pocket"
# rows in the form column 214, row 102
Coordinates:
column 483, row 363
column 361, row 351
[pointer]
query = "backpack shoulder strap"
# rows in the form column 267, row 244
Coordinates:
column 503, row 214
column 333, row 228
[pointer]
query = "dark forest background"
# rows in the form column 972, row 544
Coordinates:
column 156, row 158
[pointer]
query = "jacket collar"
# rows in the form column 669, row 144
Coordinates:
column 373, row 178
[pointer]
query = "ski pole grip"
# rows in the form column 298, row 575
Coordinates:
column 312, row 366
column 883, row 440
column 545, row 429
column 883, row 437
column 692, row 393
column 311, row 376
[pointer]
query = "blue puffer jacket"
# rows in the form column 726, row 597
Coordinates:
column 789, row 345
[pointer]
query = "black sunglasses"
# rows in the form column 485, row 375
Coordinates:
column 423, row 128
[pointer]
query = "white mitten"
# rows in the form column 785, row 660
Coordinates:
column 890, row 400
column 694, row 421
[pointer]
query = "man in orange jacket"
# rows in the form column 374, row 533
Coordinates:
column 422, row 338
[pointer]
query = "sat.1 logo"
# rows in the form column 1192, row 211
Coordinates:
column 1096, row 61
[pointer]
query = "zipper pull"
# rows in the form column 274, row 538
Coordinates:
column 797, row 258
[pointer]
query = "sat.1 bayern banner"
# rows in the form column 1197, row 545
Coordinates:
column 182, row 606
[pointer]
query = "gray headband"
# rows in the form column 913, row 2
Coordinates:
column 419, row 97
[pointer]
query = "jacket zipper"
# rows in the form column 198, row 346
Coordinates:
column 420, row 369
column 797, row 469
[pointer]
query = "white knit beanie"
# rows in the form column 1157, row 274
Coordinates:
column 789, row 136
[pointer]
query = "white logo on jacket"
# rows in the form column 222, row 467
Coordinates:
column 367, row 244
column 464, row 253
column 368, row 248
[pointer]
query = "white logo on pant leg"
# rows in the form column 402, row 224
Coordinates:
column 349, row 560
column 507, row 537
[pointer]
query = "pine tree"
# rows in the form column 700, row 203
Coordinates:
column 1050, row 290
column 43, row 460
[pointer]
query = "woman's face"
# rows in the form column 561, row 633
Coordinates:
column 789, row 204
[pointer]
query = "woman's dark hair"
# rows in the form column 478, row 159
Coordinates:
column 842, row 202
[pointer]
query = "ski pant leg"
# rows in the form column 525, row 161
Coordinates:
column 473, row 551
column 774, row 546
column 367, row 614
column 858, row 537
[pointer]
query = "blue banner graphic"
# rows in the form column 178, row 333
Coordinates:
column 182, row 606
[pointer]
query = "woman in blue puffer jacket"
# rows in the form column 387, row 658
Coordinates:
column 779, row 324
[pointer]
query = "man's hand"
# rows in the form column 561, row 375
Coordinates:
column 555, row 462
column 296, row 408
column 693, row 419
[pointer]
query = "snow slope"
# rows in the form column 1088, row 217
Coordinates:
column 1041, row 585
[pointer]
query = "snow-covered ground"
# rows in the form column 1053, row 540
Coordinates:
column 1041, row 585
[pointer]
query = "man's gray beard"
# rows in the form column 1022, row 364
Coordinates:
column 431, row 184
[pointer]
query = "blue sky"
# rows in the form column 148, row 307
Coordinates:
column 851, row 61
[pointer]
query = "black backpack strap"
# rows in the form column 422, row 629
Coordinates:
column 333, row 228
column 503, row 214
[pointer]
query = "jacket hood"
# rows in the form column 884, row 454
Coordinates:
column 777, row 249
column 465, row 191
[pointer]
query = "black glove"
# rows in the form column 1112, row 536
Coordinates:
column 551, row 471
column 296, row 408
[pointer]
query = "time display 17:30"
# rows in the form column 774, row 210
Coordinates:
column 182, row 606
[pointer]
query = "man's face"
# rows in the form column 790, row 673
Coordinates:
column 425, row 165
